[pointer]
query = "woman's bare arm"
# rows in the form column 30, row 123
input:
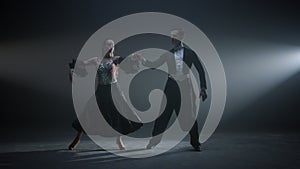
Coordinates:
column 91, row 61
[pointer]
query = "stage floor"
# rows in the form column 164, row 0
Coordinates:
column 222, row 150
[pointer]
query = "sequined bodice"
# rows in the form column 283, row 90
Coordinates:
column 107, row 73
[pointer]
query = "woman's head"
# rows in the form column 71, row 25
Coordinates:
column 108, row 48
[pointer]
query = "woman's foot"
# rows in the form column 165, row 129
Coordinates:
column 73, row 145
column 120, row 143
column 76, row 141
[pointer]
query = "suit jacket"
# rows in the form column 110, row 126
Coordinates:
column 189, row 58
column 188, row 103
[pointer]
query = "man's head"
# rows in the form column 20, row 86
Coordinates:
column 177, row 36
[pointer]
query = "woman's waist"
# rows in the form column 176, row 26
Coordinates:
column 106, row 83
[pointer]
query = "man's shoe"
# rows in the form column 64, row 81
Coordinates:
column 153, row 142
column 150, row 145
column 197, row 148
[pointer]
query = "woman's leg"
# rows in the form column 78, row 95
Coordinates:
column 120, row 143
column 76, row 140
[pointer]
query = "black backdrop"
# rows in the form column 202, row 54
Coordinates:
column 39, row 38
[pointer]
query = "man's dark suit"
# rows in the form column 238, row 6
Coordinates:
column 173, row 95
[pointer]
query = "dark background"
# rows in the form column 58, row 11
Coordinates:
column 39, row 38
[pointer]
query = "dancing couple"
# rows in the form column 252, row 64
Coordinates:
column 179, row 61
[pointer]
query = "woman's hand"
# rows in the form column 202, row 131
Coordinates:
column 138, row 57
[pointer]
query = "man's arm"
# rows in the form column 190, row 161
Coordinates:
column 156, row 63
column 129, row 64
column 201, row 73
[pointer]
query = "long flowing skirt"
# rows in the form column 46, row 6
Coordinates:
column 115, row 123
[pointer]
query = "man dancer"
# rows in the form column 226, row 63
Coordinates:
column 179, row 61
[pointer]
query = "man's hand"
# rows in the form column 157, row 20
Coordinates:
column 135, row 56
column 203, row 94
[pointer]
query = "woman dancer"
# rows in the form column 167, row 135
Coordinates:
column 107, row 73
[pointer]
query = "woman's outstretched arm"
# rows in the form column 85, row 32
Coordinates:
column 91, row 61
